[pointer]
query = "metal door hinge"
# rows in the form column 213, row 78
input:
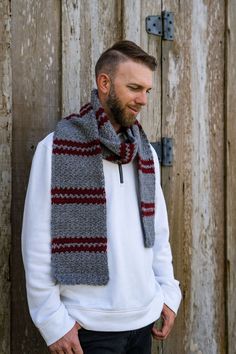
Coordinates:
column 161, row 25
column 164, row 150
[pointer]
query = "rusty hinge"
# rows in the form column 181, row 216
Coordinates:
column 161, row 25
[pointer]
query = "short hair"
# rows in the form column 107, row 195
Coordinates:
column 120, row 52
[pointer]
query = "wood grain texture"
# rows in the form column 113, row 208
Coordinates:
column 231, row 173
column 36, row 108
column 5, row 172
column 70, row 24
column 176, row 124
column 88, row 28
column 102, row 21
column 193, row 101
column 186, row 103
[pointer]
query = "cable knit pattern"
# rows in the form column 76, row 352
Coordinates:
column 80, row 142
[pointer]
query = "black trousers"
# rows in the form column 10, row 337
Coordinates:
column 137, row 341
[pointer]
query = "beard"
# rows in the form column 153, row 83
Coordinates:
column 120, row 116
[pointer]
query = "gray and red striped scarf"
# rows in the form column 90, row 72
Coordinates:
column 78, row 199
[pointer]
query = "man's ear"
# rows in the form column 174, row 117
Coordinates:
column 103, row 83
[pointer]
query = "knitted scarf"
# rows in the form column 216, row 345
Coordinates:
column 78, row 199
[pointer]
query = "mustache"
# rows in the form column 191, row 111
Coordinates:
column 136, row 107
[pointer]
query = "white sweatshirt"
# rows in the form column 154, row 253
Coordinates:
column 141, row 279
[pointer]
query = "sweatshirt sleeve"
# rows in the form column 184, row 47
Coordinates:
column 47, row 311
column 162, row 261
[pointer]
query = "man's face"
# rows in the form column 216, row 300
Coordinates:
column 128, row 92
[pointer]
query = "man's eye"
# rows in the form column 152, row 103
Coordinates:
column 133, row 88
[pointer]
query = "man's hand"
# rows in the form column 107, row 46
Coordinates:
column 168, row 317
column 68, row 344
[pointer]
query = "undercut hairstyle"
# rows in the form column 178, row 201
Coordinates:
column 123, row 51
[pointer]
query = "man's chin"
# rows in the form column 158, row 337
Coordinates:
column 128, row 123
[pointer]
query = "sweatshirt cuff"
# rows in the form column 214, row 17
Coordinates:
column 172, row 297
column 57, row 326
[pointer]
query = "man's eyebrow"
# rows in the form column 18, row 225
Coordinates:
column 138, row 86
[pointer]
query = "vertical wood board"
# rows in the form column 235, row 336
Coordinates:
column 100, row 27
column 70, row 24
column 176, row 124
column 36, row 108
column 193, row 81
column 231, row 173
column 207, row 321
column 88, row 28
column 5, row 172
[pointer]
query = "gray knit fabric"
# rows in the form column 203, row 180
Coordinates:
column 78, row 210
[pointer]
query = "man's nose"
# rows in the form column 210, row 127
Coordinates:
column 141, row 98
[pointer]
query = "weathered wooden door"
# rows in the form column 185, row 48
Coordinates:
column 55, row 47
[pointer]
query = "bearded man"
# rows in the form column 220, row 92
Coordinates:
column 95, row 234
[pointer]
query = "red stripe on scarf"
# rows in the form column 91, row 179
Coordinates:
column 102, row 121
column 63, row 249
column 131, row 152
column 146, row 170
column 138, row 124
column 63, row 240
column 85, row 109
column 146, row 166
column 71, row 116
column 94, row 152
column 126, row 152
column 111, row 158
column 79, row 191
column 148, row 213
column 101, row 117
column 71, row 143
column 147, row 205
column 122, row 151
column 147, row 209
column 146, row 162
column 58, row 200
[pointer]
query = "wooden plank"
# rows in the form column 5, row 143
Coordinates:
column 230, row 173
column 36, row 108
column 5, row 173
column 106, row 32
column 70, row 56
column 81, row 48
column 131, row 20
column 176, row 179
column 192, row 105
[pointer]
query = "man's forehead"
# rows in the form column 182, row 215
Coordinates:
column 135, row 72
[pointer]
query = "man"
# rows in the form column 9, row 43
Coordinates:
column 95, row 231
